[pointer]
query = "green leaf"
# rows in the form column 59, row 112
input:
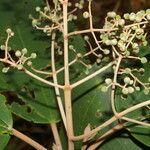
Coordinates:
column 39, row 99
column 6, row 121
column 90, row 105
column 141, row 133
column 122, row 142
column 4, row 139
column 40, row 105
column 144, row 50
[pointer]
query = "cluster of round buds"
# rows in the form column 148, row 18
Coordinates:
column 10, row 32
column 22, row 59
column 79, row 4
column 108, row 83
column 132, row 83
column 128, row 40
column 3, row 47
column 139, row 16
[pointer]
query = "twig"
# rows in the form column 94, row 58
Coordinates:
column 27, row 140
column 102, row 138
column 92, row 75
column 59, row 100
column 56, row 136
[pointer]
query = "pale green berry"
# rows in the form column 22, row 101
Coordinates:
column 117, row 17
column 86, row 37
column 9, row 31
column 127, row 80
column 20, row 67
column 136, row 50
column 79, row 55
column 37, row 9
column 18, row 53
column 34, row 22
column 89, row 66
column 131, row 82
column 80, row 6
column 138, row 19
column 126, row 16
column 139, row 31
column 87, row 71
column 145, row 43
column 29, row 63
column 135, row 45
column 71, row 47
column 69, row 4
column 125, row 91
column 106, row 51
column 98, row 60
column 113, row 42
column 24, row 51
column 127, row 70
column 148, row 16
column 130, row 89
column 46, row 9
column 74, row 17
column 104, row 89
column 5, row 70
column 12, row 34
column 149, row 79
column 86, row 15
column 76, row 4
column 127, row 53
column 147, row 11
column 121, row 22
column 146, row 91
column 132, row 16
column 137, row 88
column 108, row 81
column 143, row 60
column 2, row 47
column 108, row 42
column 111, row 14
column 142, row 70
column 33, row 55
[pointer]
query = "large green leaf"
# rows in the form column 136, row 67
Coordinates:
column 122, row 142
column 4, row 139
column 38, row 99
column 90, row 105
column 141, row 133
column 40, row 108
column 6, row 121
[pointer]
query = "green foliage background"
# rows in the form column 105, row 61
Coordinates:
column 90, row 105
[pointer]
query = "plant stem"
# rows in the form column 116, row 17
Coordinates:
column 59, row 100
column 56, row 136
column 67, row 88
column 114, row 85
column 42, row 80
column 105, row 30
column 92, row 75
column 135, row 121
column 105, row 136
column 27, row 140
